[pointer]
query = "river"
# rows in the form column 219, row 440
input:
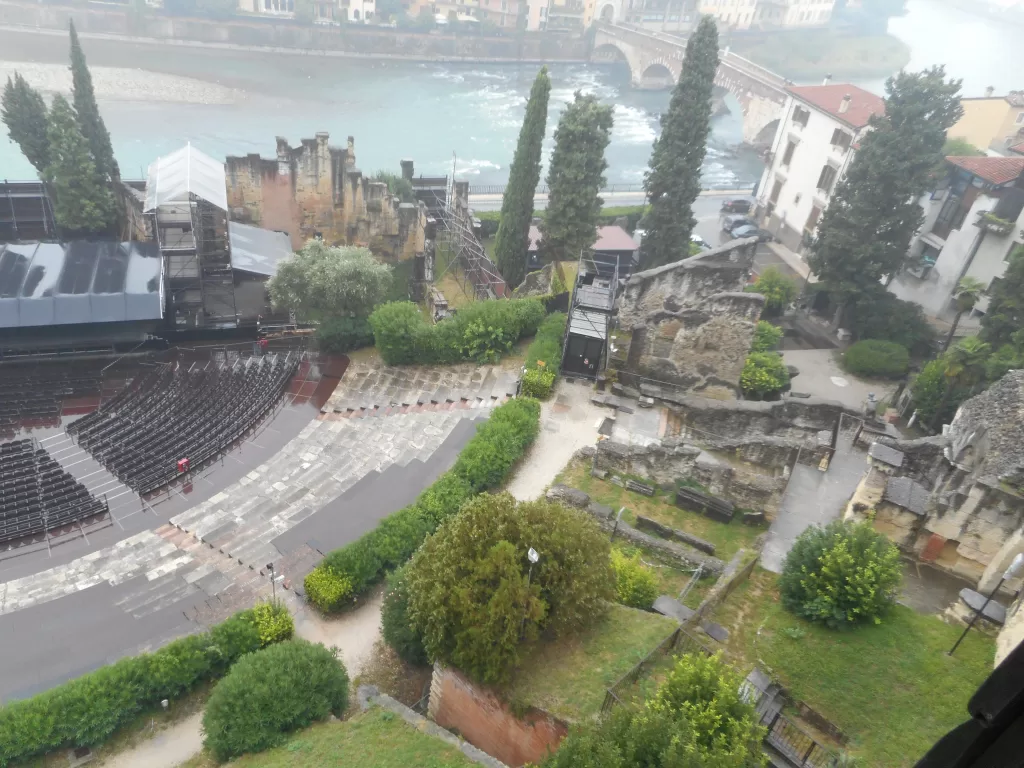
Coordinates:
column 155, row 98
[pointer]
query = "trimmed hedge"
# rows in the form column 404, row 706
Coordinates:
column 481, row 332
column 544, row 356
column 483, row 464
column 84, row 712
column 337, row 335
column 877, row 358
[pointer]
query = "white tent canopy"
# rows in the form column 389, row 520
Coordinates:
column 172, row 177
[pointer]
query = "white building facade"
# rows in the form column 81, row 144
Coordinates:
column 813, row 146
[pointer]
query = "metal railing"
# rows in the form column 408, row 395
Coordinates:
column 796, row 745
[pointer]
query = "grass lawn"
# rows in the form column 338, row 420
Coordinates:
column 728, row 538
column 891, row 688
column 568, row 677
column 374, row 739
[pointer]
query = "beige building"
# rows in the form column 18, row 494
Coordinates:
column 768, row 14
column 991, row 122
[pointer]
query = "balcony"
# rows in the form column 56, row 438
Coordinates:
column 991, row 223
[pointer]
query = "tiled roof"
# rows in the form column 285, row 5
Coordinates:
column 1018, row 148
column 829, row 98
column 883, row 452
column 904, row 492
column 995, row 170
column 610, row 238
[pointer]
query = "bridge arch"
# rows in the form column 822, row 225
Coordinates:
column 656, row 76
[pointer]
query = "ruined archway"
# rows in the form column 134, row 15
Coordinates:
column 655, row 77
column 608, row 13
column 766, row 135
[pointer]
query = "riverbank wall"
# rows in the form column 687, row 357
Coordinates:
column 283, row 35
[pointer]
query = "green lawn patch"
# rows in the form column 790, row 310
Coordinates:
column 374, row 739
column 891, row 688
column 568, row 677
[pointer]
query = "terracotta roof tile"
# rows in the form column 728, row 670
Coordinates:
column 995, row 170
column 829, row 98
column 1018, row 148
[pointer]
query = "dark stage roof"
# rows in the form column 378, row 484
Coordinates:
column 79, row 282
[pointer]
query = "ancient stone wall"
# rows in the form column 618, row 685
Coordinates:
column 689, row 323
column 315, row 190
column 486, row 722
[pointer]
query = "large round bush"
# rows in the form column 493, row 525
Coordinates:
column 841, row 575
column 878, row 359
column 763, row 374
column 396, row 628
column 269, row 693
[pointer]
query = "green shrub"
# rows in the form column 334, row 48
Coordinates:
column 84, row 712
column 930, row 395
column 538, row 382
column 326, row 588
column 876, row 358
column 777, row 289
column 359, row 562
column 269, row 694
column 443, row 499
column 482, row 332
column 338, row 335
column 880, row 315
column 273, row 622
column 841, row 575
column 766, row 337
column 396, row 628
column 764, row 373
column 498, row 444
column 635, row 584
column 489, row 221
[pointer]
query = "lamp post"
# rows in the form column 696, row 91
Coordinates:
column 273, row 580
column 1012, row 570
column 533, row 556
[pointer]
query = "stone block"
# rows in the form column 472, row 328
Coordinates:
column 753, row 518
column 669, row 606
column 617, row 481
column 667, row 532
column 570, row 497
column 600, row 474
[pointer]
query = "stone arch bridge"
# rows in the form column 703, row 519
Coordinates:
column 655, row 60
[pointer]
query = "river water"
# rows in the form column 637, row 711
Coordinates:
column 155, row 98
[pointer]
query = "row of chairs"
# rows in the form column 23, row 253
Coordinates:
column 173, row 413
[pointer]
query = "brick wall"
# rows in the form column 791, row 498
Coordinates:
column 486, row 722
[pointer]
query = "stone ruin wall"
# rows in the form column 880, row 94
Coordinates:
column 689, row 324
column 315, row 189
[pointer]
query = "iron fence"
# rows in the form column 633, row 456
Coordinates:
column 797, row 746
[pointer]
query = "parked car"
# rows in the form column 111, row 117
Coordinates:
column 729, row 223
column 751, row 230
column 737, row 205
column 701, row 242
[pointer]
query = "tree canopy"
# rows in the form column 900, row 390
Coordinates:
column 475, row 597
column 24, row 113
column 88, row 112
column 673, row 181
column 513, row 237
column 865, row 232
column 575, row 178
column 323, row 281
column 1005, row 313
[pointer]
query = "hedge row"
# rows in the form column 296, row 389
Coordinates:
column 481, row 332
column 483, row 464
column 633, row 214
column 544, row 356
column 84, row 712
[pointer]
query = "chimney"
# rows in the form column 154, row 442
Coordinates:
column 989, row 91
column 827, row 80
column 844, row 105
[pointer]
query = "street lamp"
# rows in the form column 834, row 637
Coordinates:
column 1011, row 571
column 273, row 580
column 533, row 556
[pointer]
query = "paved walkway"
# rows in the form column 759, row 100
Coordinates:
column 821, row 375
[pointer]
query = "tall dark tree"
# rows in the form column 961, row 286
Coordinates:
column 865, row 233
column 1005, row 314
column 82, row 200
column 575, row 177
column 24, row 113
column 89, row 120
column 513, row 238
column 673, row 181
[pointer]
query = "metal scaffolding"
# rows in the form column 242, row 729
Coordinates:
column 590, row 310
column 461, row 250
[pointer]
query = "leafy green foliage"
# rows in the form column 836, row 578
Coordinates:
column 777, row 289
column 396, row 628
column 841, row 575
column 864, row 234
column 1007, row 358
column 635, row 583
column 398, row 185
column 269, row 694
column 323, row 281
column 546, row 346
column 482, row 332
column 327, row 589
column 969, row 291
column 673, row 181
column 877, row 314
column 484, row 463
column 1005, row 314
column 513, row 235
column 273, row 622
column 929, row 392
column 875, row 358
column 474, row 596
column 337, row 335
column 537, row 382
column 764, row 373
column 964, row 368
column 82, row 202
column 84, row 712
column 575, row 177
column 88, row 112
column 766, row 337
column 24, row 113
column 696, row 719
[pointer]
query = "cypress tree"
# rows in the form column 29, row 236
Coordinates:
column 82, row 202
column 88, row 112
column 673, row 181
column 24, row 113
column 575, row 178
column 513, row 237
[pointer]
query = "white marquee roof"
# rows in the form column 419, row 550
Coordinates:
column 172, row 177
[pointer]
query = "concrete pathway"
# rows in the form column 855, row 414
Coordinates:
column 821, row 375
